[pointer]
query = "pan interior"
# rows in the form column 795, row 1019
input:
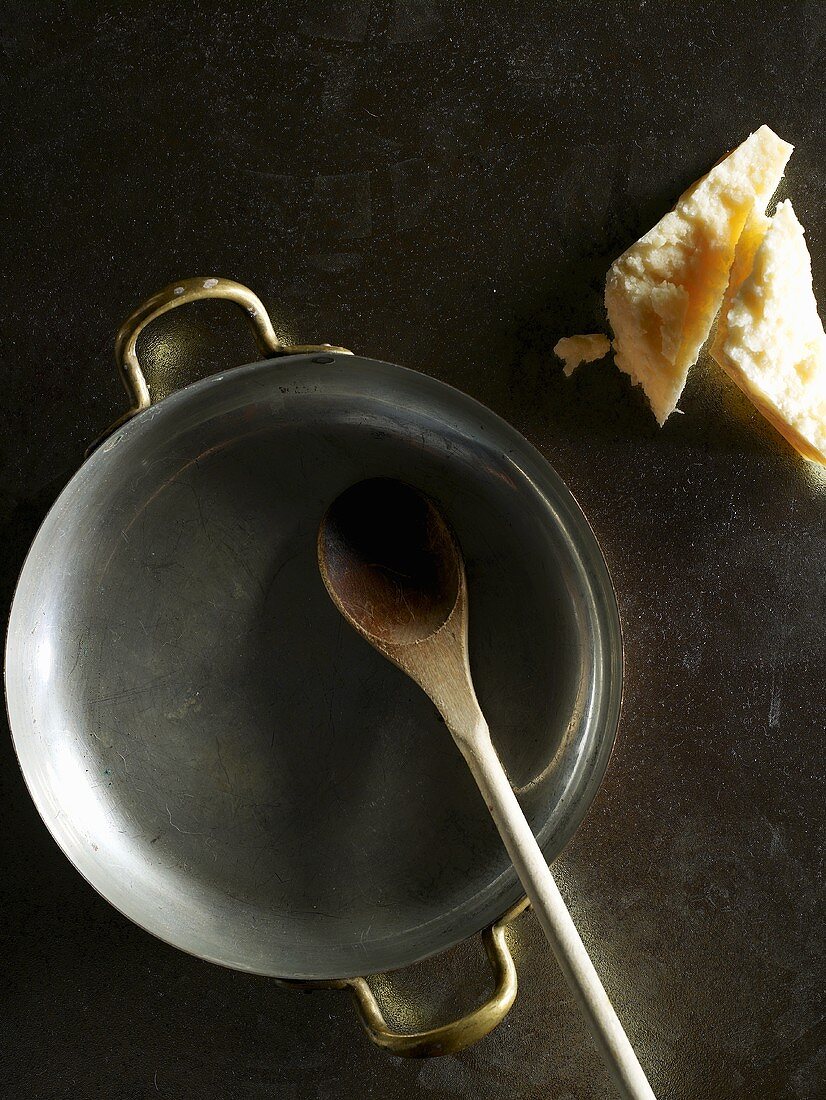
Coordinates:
column 214, row 748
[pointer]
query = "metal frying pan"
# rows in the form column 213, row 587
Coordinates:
column 213, row 749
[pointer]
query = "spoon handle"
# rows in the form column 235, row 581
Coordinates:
column 553, row 916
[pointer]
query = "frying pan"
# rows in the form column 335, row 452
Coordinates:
column 219, row 755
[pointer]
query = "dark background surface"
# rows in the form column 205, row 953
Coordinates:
column 442, row 185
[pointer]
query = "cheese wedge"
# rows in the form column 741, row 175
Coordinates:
column 663, row 293
column 770, row 339
column 573, row 350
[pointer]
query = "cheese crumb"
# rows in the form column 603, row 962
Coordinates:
column 663, row 293
column 573, row 350
column 770, row 339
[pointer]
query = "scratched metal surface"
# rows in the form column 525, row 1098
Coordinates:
column 219, row 755
column 443, row 185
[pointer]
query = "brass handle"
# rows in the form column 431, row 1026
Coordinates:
column 179, row 294
column 456, row 1035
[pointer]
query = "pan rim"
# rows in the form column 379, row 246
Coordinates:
column 588, row 548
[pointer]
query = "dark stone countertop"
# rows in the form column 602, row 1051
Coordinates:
column 442, row 185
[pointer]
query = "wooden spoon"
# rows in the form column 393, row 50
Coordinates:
column 395, row 571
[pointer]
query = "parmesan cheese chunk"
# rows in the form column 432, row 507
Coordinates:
column 770, row 339
column 663, row 293
column 573, row 350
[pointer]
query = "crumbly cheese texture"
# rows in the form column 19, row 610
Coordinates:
column 573, row 350
column 770, row 339
column 663, row 293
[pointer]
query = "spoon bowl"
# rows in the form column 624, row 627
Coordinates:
column 390, row 561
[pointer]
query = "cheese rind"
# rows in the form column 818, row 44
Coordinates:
column 770, row 339
column 573, row 350
column 663, row 293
